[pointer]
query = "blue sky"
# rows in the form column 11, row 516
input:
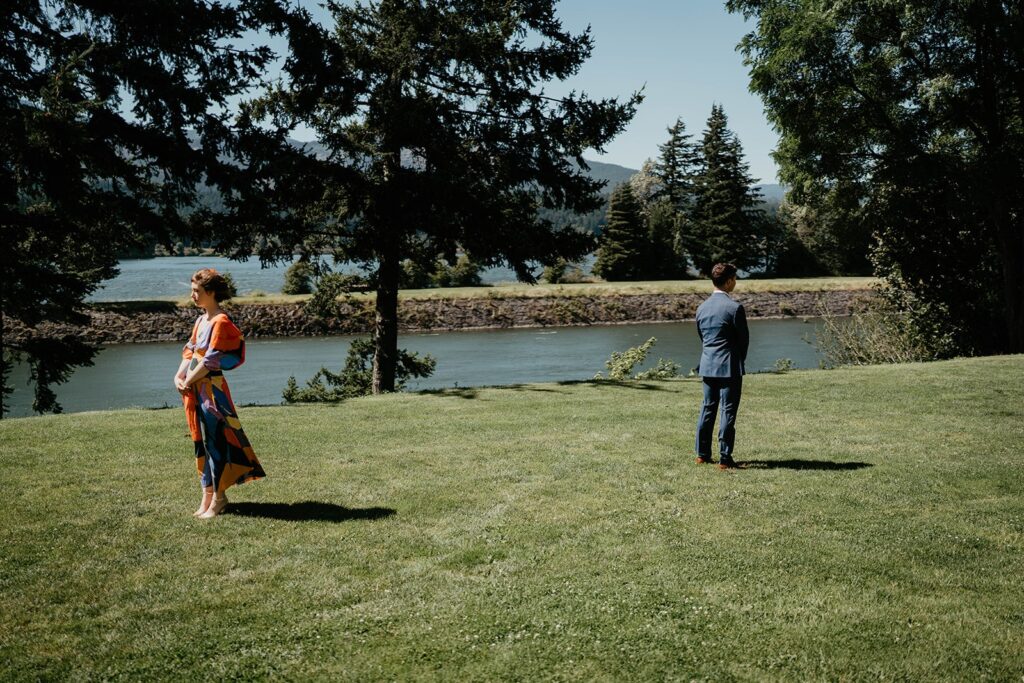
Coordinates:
column 683, row 53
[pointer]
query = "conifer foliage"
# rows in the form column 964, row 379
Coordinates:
column 625, row 249
column 679, row 163
column 81, row 178
column 725, row 223
column 438, row 137
column 698, row 205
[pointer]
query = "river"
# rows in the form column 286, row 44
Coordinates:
column 167, row 277
column 139, row 375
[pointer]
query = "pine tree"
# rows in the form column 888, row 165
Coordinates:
column 81, row 178
column 437, row 135
column 726, row 223
column 666, row 261
column 624, row 252
column 678, row 164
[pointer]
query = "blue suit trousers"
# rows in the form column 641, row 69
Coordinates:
column 720, row 394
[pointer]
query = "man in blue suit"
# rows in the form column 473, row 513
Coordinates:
column 722, row 326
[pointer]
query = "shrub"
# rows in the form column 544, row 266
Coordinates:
column 562, row 272
column 298, row 279
column 621, row 364
column 324, row 302
column 876, row 333
column 783, row 365
column 413, row 276
column 232, row 288
column 665, row 369
column 465, row 273
column 356, row 378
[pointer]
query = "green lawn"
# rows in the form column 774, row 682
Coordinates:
column 539, row 532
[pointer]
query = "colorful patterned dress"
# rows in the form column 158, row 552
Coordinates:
column 224, row 456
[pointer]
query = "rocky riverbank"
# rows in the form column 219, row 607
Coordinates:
column 157, row 321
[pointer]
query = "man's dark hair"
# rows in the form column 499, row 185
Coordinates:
column 722, row 272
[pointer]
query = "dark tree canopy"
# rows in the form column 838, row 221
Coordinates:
column 100, row 107
column 665, row 261
column 726, row 223
column 906, row 121
column 438, row 136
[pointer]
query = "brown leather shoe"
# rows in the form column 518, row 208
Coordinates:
column 727, row 465
column 704, row 461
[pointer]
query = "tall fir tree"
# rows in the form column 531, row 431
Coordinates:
column 726, row 223
column 624, row 251
column 664, row 260
column 679, row 163
column 677, row 169
column 438, row 136
column 111, row 118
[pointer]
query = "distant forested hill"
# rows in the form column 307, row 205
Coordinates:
column 612, row 174
column 773, row 193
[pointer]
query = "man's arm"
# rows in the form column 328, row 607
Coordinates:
column 742, row 334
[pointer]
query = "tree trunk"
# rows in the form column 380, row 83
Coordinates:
column 1011, row 247
column 385, row 332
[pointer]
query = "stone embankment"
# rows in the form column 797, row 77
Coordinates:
column 157, row 321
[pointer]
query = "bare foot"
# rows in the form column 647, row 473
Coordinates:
column 216, row 507
column 205, row 504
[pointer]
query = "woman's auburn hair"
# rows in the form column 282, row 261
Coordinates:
column 213, row 282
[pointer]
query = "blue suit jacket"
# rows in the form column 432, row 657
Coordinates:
column 722, row 326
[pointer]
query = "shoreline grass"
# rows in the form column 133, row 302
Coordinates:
column 553, row 531
column 520, row 290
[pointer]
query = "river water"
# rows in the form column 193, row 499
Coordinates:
column 139, row 375
column 167, row 277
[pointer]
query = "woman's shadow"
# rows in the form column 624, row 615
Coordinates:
column 307, row 511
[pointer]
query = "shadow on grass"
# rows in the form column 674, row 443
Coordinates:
column 474, row 392
column 796, row 464
column 307, row 511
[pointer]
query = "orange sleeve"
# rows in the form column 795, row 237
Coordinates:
column 225, row 335
column 227, row 349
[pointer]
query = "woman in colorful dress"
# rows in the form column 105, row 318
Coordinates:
column 224, row 456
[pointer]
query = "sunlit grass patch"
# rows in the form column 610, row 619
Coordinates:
column 537, row 532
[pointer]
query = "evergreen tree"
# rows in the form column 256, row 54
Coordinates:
column 902, row 121
column 81, row 179
column 666, row 261
column 726, row 223
column 663, row 220
column 624, row 252
column 678, row 164
column 438, row 135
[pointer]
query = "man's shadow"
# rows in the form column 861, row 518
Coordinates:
column 797, row 464
column 308, row 511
